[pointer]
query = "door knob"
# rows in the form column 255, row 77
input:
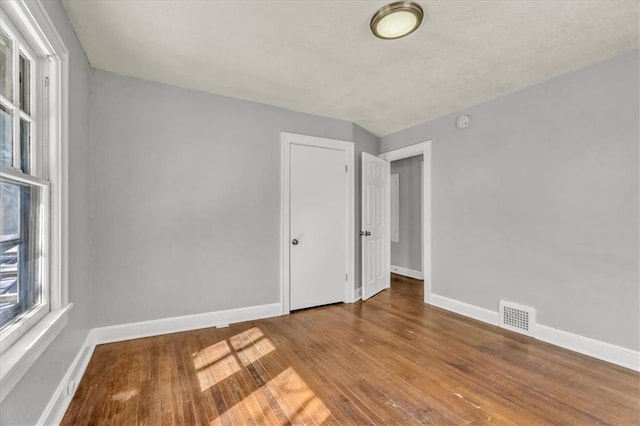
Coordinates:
column 295, row 242
column 367, row 233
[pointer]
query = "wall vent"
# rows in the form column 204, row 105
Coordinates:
column 518, row 318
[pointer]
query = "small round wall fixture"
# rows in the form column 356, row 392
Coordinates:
column 396, row 20
column 463, row 121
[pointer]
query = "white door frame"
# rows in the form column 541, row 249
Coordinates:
column 289, row 139
column 424, row 149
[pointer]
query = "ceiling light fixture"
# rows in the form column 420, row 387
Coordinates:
column 396, row 20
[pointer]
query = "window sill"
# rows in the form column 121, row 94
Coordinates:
column 17, row 360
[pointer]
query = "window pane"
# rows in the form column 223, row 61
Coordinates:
column 25, row 144
column 25, row 85
column 6, row 66
column 9, row 278
column 6, row 137
column 21, row 246
column 9, row 212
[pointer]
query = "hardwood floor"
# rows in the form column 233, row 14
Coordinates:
column 389, row 360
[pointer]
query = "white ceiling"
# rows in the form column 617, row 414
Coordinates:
column 320, row 57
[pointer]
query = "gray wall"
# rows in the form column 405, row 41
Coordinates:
column 186, row 206
column 407, row 253
column 28, row 399
column 537, row 201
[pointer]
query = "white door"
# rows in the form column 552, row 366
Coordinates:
column 375, row 230
column 318, row 226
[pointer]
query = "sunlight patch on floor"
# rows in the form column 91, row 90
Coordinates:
column 297, row 402
column 291, row 395
column 214, row 364
column 251, row 345
column 220, row 361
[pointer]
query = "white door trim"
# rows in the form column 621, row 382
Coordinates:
column 289, row 139
column 395, row 207
column 424, row 149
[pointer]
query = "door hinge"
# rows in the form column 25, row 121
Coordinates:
column 46, row 82
column 346, row 169
column 346, row 277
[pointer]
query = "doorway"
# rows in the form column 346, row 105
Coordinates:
column 317, row 221
column 406, row 221
column 416, row 151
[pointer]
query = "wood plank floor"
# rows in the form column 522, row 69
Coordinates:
column 390, row 360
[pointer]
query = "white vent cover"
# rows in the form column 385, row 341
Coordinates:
column 518, row 318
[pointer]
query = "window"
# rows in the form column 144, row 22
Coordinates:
column 33, row 72
column 23, row 217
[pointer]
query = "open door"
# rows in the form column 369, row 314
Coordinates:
column 374, row 233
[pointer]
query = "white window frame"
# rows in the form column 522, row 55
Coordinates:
column 36, row 176
column 20, row 349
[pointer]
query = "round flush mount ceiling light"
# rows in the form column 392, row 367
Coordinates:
column 396, row 20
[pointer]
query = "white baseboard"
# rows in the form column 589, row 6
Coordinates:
column 137, row 330
column 411, row 273
column 585, row 345
column 354, row 297
column 59, row 402
column 604, row 351
column 471, row 311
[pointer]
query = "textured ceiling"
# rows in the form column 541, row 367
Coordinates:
column 320, row 57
